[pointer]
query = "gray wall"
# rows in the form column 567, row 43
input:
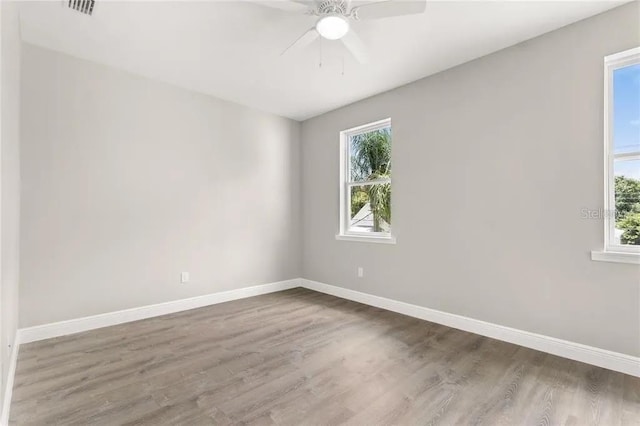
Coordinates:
column 126, row 182
column 10, row 177
column 493, row 162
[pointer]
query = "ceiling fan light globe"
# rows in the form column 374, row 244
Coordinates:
column 332, row 27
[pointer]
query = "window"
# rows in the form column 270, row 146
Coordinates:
column 365, row 183
column 622, row 157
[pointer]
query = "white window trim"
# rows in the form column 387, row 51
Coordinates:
column 343, row 233
column 614, row 252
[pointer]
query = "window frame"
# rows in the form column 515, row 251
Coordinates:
column 346, row 184
column 614, row 252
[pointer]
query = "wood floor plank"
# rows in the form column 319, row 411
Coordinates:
column 302, row 357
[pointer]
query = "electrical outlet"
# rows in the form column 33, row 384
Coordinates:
column 360, row 272
column 184, row 277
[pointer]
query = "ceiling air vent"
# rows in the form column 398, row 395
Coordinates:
column 84, row 6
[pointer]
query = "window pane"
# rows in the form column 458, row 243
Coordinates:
column 627, row 199
column 370, row 155
column 370, row 209
column 626, row 109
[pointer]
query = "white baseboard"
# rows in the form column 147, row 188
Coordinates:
column 8, row 389
column 600, row 357
column 62, row 328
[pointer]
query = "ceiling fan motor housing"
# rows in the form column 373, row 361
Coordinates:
column 331, row 7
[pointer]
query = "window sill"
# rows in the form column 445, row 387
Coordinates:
column 366, row 239
column 616, row 257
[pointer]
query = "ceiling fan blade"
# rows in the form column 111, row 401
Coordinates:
column 388, row 8
column 308, row 3
column 304, row 40
column 287, row 5
column 355, row 46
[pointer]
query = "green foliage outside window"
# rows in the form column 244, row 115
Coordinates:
column 371, row 159
column 627, row 193
column 631, row 226
column 359, row 198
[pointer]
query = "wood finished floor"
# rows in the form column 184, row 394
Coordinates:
column 300, row 357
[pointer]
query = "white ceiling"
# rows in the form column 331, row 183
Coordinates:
column 232, row 49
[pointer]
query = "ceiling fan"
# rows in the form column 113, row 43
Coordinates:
column 334, row 17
